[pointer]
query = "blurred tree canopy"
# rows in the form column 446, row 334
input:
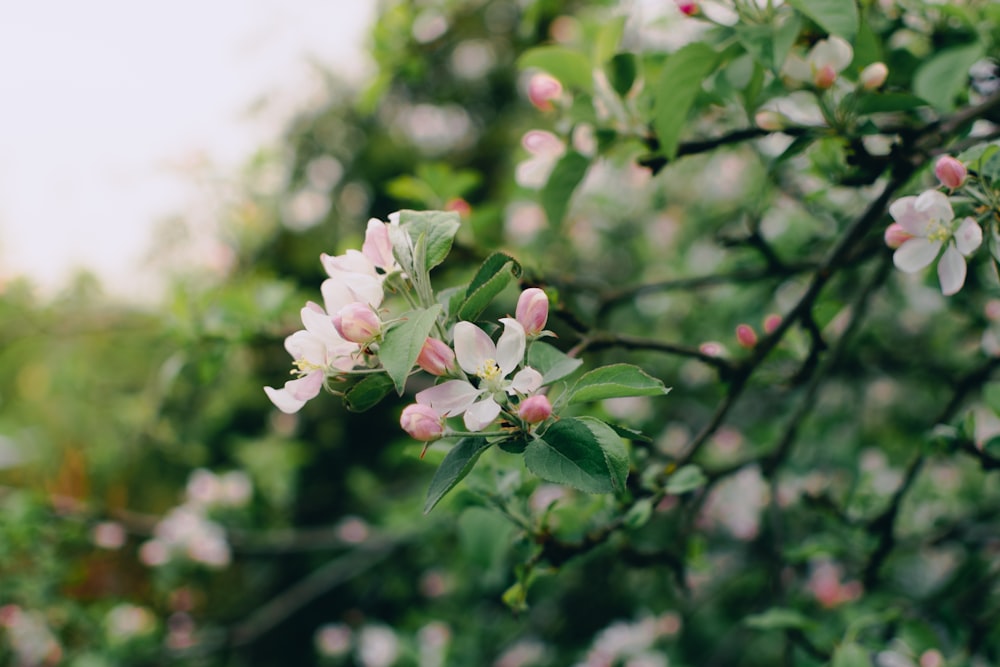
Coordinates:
column 708, row 200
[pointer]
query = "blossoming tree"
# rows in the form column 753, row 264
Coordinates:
column 614, row 340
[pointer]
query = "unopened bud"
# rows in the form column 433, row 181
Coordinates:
column 896, row 236
column 687, row 7
column 532, row 310
column 769, row 120
column 746, row 336
column 772, row 322
column 358, row 323
column 950, row 172
column 458, row 205
column 542, row 89
column 824, row 76
column 421, row 422
column 436, row 357
column 712, row 349
column 534, row 409
column 873, row 76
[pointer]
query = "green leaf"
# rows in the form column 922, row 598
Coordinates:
column 401, row 344
column 778, row 618
column 551, row 362
column 438, row 229
column 572, row 68
column 369, row 391
column 769, row 44
column 565, row 176
column 686, row 478
column 639, row 514
column 456, row 465
column 678, row 86
column 991, row 396
column 581, row 452
column 411, row 189
column 622, row 70
column 615, row 381
column 608, row 38
column 630, row 434
column 493, row 275
column 851, row 655
column 837, row 17
column 940, row 79
column 884, row 102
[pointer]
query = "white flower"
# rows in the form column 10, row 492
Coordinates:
column 546, row 149
column 825, row 60
column 317, row 350
column 929, row 218
column 491, row 364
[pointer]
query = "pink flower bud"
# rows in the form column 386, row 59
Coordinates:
column 950, row 172
column 542, row 89
column 772, row 121
column 772, row 322
column 687, row 7
column 824, row 76
column 458, row 205
column 746, row 336
column 421, row 422
column 712, row 349
column 436, row 357
column 873, row 76
column 532, row 310
column 896, row 236
column 534, row 409
column 358, row 323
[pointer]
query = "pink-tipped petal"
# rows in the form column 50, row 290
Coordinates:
column 951, row 270
column 510, row 347
column 915, row 255
column 377, row 246
column 449, row 398
column 968, row 236
column 526, row 381
column 481, row 414
column 472, row 347
column 283, row 400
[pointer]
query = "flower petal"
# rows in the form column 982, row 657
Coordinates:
column 903, row 211
column 472, row 347
column 915, row 254
column 283, row 400
column 968, row 236
column 510, row 347
column 934, row 205
column 449, row 398
column 481, row 414
column 377, row 246
column 526, row 381
column 951, row 270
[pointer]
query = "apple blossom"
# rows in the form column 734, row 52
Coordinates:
column 772, row 322
column 687, row 7
column 824, row 62
column 352, row 278
column 535, row 409
column 746, row 336
column 316, row 350
column 532, row 310
column 873, row 76
column 542, row 90
column 378, row 246
column 491, row 364
column 358, row 323
column 950, row 172
column 929, row 218
column 436, row 357
column 421, row 422
column 896, row 236
column 770, row 120
column 546, row 149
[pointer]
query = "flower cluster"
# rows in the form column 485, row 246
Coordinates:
column 926, row 229
column 340, row 335
column 499, row 385
column 484, row 391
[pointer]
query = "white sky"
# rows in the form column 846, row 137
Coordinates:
column 100, row 100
